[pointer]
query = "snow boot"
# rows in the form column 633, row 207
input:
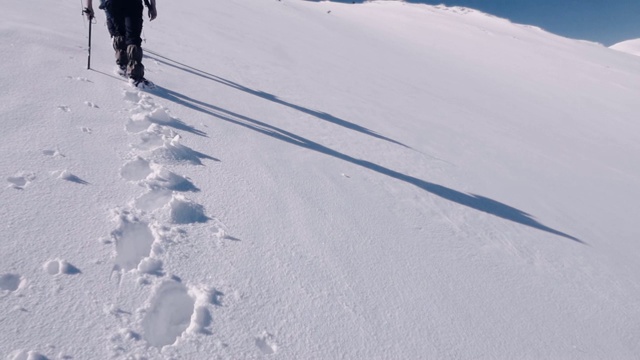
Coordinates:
column 120, row 46
column 135, row 69
column 142, row 84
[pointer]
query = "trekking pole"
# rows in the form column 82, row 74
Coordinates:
column 87, row 11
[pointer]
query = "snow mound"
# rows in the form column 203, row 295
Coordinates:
column 630, row 46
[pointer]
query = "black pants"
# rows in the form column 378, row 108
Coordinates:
column 124, row 21
column 124, row 18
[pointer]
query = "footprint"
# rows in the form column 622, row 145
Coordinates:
column 201, row 321
column 21, row 180
column 169, row 315
column 153, row 200
column 173, row 152
column 135, row 170
column 26, row 355
column 92, row 105
column 136, row 126
column 60, row 267
column 144, row 103
column 150, row 266
column 165, row 179
column 161, row 116
column 86, row 130
column 52, row 153
column 64, row 108
column 266, row 343
column 83, row 79
column 152, row 136
column 10, row 282
column 184, row 211
column 133, row 240
column 123, row 343
column 132, row 96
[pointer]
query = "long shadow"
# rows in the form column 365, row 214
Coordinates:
column 75, row 179
column 473, row 201
column 174, row 122
column 179, row 125
column 318, row 114
column 109, row 75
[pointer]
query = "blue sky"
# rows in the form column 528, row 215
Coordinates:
column 603, row 21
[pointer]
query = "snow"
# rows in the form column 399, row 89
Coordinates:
column 314, row 180
column 630, row 46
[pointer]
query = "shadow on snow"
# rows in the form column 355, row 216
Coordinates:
column 473, row 201
column 320, row 115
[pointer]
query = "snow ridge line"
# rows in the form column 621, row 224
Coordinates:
column 146, row 230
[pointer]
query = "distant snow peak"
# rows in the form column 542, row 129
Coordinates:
column 630, row 46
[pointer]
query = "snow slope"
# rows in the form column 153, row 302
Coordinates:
column 630, row 46
column 317, row 181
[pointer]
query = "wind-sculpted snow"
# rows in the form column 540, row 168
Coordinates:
column 476, row 202
column 176, row 97
column 316, row 180
column 68, row 176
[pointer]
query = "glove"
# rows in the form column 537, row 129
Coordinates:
column 88, row 12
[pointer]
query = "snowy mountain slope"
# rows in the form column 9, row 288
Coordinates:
column 317, row 181
column 630, row 46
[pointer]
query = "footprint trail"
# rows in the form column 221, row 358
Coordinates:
column 148, row 227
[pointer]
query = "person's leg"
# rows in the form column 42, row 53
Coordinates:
column 117, row 30
column 133, row 25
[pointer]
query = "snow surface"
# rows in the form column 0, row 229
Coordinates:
column 317, row 181
column 630, row 46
